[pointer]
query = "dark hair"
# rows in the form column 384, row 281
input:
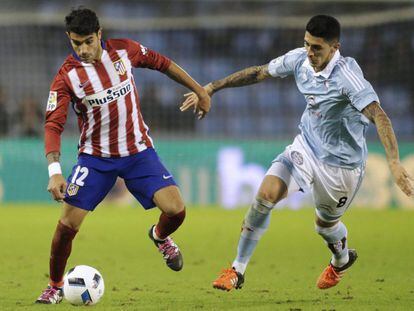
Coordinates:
column 82, row 21
column 324, row 26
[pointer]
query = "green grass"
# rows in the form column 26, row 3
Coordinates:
column 281, row 275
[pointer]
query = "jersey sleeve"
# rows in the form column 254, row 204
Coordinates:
column 56, row 113
column 143, row 57
column 359, row 91
column 284, row 65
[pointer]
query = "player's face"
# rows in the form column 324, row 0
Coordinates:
column 88, row 48
column 320, row 52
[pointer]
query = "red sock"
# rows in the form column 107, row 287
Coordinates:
column 168, row 224
column 59, row 254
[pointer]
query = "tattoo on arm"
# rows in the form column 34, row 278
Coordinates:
column 243, row 77
column 53, row 157
column 385, row 131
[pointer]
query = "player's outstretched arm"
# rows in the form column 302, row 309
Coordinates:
column 57, row 183
column 178, row 74
column 243, row 77
column 250, row 75
column 386, row 134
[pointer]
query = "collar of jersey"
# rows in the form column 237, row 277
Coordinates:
column 328, row 69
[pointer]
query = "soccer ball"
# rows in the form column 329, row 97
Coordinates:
column 83, row 285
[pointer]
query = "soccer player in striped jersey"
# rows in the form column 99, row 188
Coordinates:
column 328, row 156
column 97, row 80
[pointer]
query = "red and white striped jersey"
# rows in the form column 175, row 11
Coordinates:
column 106, row 99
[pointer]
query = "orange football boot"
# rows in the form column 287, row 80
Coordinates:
column 229, row 279
column 332, row 275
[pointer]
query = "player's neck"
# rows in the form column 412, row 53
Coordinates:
column 319, row 69
column 326, row 63
column 323, row 66
column 98, row 55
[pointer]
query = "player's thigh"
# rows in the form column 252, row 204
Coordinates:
column 293, row 166
column 90, row 181
column 169, row 200
column 145, row 175
column 72, row 216
column 277, row 183
column 334, row 189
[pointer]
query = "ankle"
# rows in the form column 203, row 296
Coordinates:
column 340, row 261
column 56, row 284
column 156, row 236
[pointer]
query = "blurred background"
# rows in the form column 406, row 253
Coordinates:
column 219, row 160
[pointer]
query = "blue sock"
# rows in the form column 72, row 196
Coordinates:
column 254, row 225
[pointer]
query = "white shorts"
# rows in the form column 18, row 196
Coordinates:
column 333, row 188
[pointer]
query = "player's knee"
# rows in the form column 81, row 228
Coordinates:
column 174, row 208
column 72, row 216
column 257, row 219
column 70, row 223
column 325, row 224
column 262, row 205
column 269, row 196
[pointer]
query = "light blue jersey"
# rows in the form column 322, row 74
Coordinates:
column 332, row 123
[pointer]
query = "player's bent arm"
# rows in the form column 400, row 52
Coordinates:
column 250, row 75
column 385, row 131
column 386, row 134
column 179, row 75
column 202, row 104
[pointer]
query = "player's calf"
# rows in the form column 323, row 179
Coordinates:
column 255, row 224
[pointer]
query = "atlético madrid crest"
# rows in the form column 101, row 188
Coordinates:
column 72, row 189
column 120, row 67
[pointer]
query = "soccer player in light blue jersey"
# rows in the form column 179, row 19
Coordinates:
column 328, row 156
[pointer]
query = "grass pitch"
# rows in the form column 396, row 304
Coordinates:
column 281, row 275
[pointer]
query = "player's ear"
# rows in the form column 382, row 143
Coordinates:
column 336, row 45
column 99, row 34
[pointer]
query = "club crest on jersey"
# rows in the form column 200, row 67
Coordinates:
column 297, row 157
column 120, row 67
column 52, row 101
column 72, row 189
column 144, row 50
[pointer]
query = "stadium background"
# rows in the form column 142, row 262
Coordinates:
column 218, row 161
column 221, row 159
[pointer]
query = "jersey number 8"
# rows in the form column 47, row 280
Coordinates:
column 342, row 201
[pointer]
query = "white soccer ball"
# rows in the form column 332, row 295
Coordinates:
column 83, row 285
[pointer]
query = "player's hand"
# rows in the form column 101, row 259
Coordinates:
column 57, row 187
column 200, row 103
column 204, row 104
column 402, row 178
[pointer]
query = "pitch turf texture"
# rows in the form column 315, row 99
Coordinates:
column 281, row 275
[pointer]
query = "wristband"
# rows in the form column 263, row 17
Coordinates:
column 54, row 168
